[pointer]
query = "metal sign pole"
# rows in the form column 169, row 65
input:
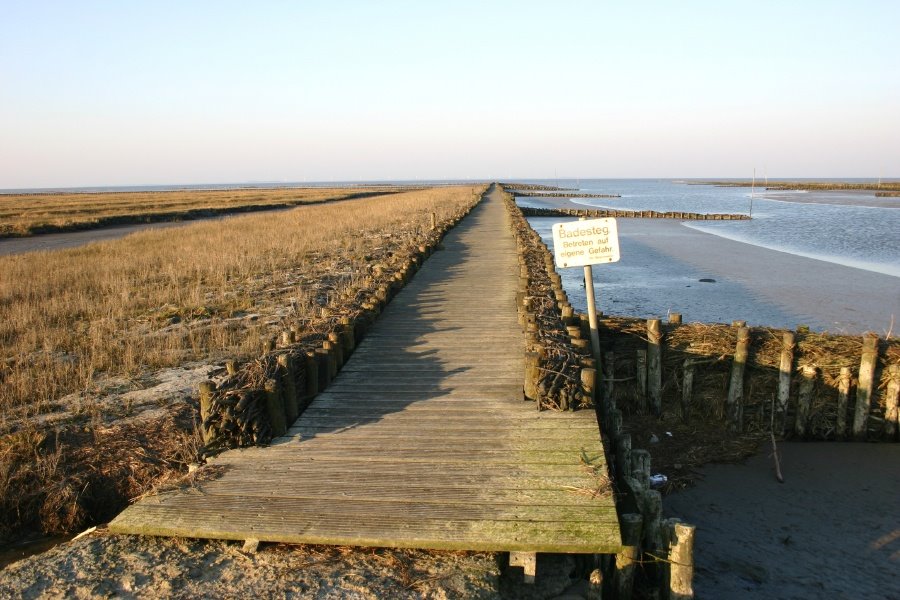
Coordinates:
column 592, row 311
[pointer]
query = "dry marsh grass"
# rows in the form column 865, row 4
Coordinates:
column 80, row 320
column 27, row 214
column 162, row 298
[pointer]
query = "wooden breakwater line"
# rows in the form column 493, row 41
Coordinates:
column 798, row 384
column 564, row 195
column 602, row 213
column 257, row 401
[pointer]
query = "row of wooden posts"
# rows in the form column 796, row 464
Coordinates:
column 630, row 214
column 663, row 547
column 259, row 400
column 649, row 383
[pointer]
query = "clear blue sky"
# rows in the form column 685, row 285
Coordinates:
column 117, row 93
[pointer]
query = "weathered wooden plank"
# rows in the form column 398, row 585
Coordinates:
column 423, row 439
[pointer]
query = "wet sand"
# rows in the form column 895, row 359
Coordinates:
column 830, row 531
column 663, row 261
column 839, row 197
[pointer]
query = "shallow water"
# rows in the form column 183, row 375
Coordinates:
column 845, row 231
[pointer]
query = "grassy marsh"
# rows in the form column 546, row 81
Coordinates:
column 31, row 213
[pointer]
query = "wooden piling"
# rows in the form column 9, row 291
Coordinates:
column 681, row 561
column 323, row 364
column 589, row 385
column 289, row 388
column 687, row 389
column 334, row 339
column 840, row 426
column 640, row 466
column 275, row 408
column 734, row 405
column 332, row 358
column 623, row 455
column 206, row 391
column 652, row 511
column 785, row 369
column 654, row 365
column 864, row 386
column 641, row 367
column 609, row 375
column 674, row 318
column 230, row 367
column 312, row 376
column 891, row 416
column 631, row 527
column 804, row 398
column 532, row 375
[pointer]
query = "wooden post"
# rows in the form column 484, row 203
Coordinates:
column 734, row 405
column 433, row 221
column 348, row 336
column 334, row 339
column 681, row 561
column 654, row 365
column 288, row 386
column 332, row 359
column 589, row 385
column 528, row 562
column 287, row 338
column 652, row 520
column 891, row 417
column 840, row 426
column 532, row 375
column 785, row 369
column 275, row 408
column 804, row 398
column 631, row 526
column 687, row 388
column 739, row 324
column 864, row 386
column 312, row 376
column 206, row 391
column 623, row 455
column 640, row 466
column 641, row 366
column 609, row 374
column 268, row 346
column 323, row 362
column 230, row 367
column 674, row 318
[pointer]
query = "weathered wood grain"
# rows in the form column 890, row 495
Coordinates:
column 423, row 440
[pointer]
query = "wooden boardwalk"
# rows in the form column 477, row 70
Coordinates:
column 423, row 440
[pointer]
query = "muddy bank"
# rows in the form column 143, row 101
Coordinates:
column 830, row 531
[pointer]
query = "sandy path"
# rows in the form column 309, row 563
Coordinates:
column 59, row 241
column 830, row 531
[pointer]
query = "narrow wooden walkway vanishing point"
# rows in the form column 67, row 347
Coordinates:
column 423, row 440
